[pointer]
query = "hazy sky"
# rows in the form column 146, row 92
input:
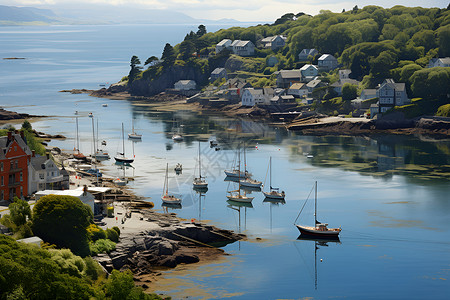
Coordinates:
column 242, row 10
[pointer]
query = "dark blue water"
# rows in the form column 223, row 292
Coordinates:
column 390, row 194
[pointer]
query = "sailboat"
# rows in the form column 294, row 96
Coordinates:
column 236, row 195
column 176, row 135
column 236, row 172
column 274, row 192
column 249, row 182
column 320, row 230
column 121, row 158
column 166, row 197
column 133, row 135
column 200, row 182
column 77, row 154
column 99, row 154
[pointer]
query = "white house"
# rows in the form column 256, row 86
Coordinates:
column 305, row 53
column 327, row 62
column 298, row 90
column 439, row 62
column 185, row 85
column 84, row 196
column 274, row 42
column 223, row 44
column 243, row 48
column 43, row 174
column 309, row 72
column 252, row 96
column 391, row 94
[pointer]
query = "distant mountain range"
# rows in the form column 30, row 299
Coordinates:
column 96, row 14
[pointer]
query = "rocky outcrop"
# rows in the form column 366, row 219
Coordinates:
column 11, row 115
column 168, row 244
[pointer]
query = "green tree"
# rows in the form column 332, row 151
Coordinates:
column 27, row 125
column 201, row 30
column 19, row 211
column 187, row 48
column 135, row 68
column 168, row 55
column 349, row 91
column 431, row 83
column 443, row 34
column 63, row 221
column 150, row 60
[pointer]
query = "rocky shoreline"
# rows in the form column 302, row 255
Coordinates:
column 11, row 115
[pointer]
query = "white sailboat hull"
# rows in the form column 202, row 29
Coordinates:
column 274, row 195
column 169, row 199
column 236, row 174
column 314, row 231
column 240, row 198
column 122, row 159
column 251, row 183
column 177, row 137
column 135, row 136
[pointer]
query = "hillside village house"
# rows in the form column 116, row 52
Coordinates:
column 285, row 78
column 218, row 73
column 327, row 62
column 439, row 62
column 313, row 84
column 14, row 159
column 274, row 42
column 223, row 44
column 305, row 53
column 252, row 96
column 298, row 90
column 81, row 193
column 44, row 174
column 185, row 85
column 390, row 94
column 243, row 48
column 309, row 72
column 344, row 74
column 337, row 86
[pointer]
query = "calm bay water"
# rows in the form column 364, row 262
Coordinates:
column 390, row 194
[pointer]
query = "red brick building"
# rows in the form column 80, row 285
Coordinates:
column 15, row 156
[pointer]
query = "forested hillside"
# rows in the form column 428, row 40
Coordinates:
column 374, row 42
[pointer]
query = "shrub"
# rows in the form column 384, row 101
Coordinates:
column 443, row 111
column 101, row 246
column 95, row 233
column 112, row 235
column 93, row 269
column 68, row 262
column 117, row 230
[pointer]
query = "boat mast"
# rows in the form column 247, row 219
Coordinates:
column 123, row 143
column 199, row 162
column 270, row 174
column 315, row 207
column 239, row 171
column 78, row 139
column 93, row 139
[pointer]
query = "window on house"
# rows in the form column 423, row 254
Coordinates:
column 2, row 195
column 3, row 181
column 17, row 164
column 21, row 176
column 41, row 175
column 21, row 191
column 1, row 167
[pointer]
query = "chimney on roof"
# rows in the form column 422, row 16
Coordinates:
column 48, row 155
column 22, row 134
column 33, row 153
column 9, row 135
column 85, row 189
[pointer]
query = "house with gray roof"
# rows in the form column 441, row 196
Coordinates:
column 298, row 90
column 391, row 94
column 243, row 48
column 439, row 62
column 217, row 74
column 309, row 72
column 252, row 96
column 327, row 62
column 285, row 78
column 337, row 86
column 305, row 53
column 223, row 44
column 185, row 85
column 274, row 42
column 44, row 174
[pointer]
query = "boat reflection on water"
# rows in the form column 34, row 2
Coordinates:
column 272, row 203
column 249, row 189
column 237, row 206
column 318, row 242
column 171, row 206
